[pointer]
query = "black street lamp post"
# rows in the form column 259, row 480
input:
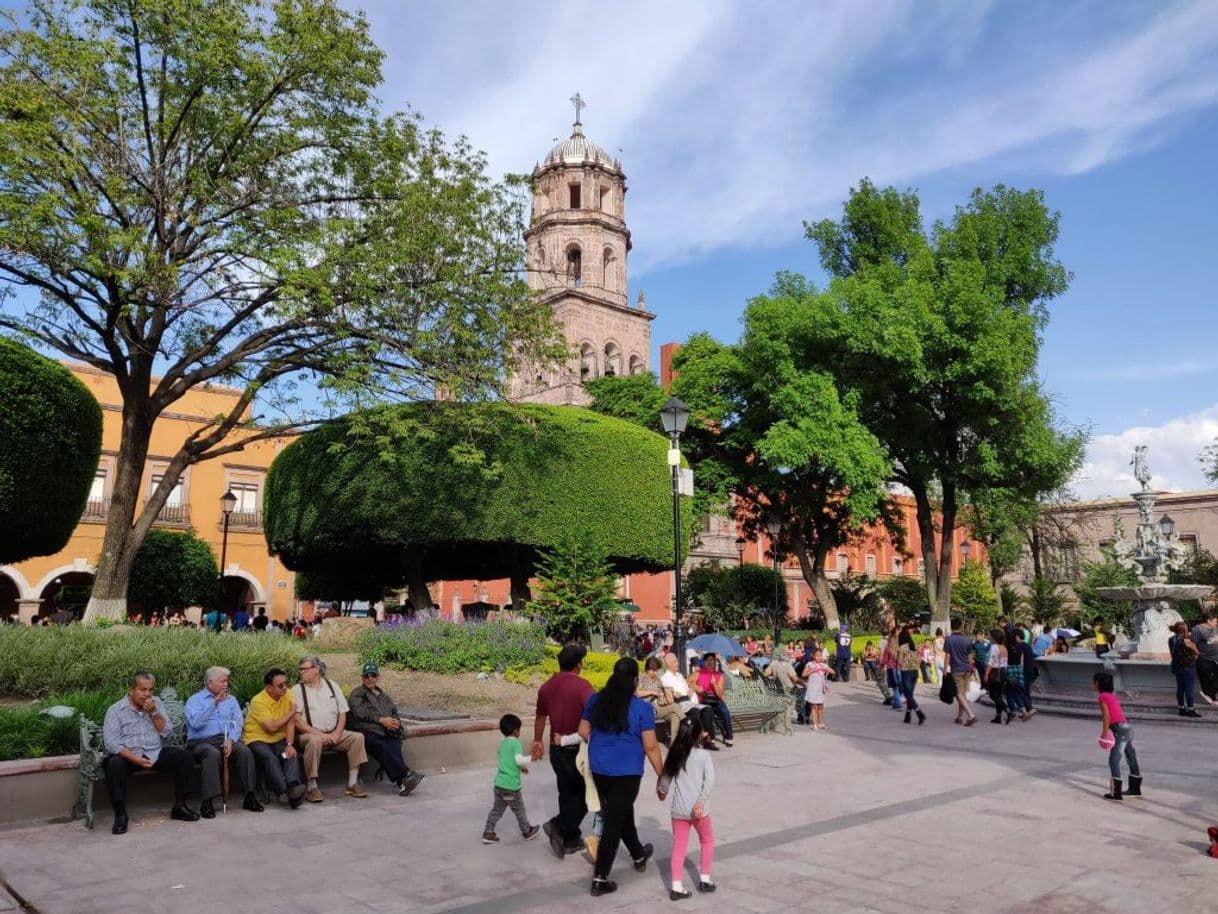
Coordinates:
column 228, row 501
column 675, row 415
column 773, row 526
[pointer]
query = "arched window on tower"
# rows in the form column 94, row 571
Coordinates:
column 587, row 362
column 609, row 270
column 613, row 360
column 575, row 264
column 636, row 364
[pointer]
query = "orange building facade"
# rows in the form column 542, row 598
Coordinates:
column 252, row 577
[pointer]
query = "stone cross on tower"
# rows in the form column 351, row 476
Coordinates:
column 578, row 101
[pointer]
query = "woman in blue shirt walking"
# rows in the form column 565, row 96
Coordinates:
column 620, row 729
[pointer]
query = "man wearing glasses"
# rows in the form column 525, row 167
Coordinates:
column 321, row 723
column 374, row 714
column 270, row 732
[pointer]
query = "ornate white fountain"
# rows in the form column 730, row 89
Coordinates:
column 1156, row 550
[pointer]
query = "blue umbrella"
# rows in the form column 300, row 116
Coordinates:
column 717, row 644
column 1065, row 633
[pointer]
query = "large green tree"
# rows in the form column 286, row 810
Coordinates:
column 728, row 595
column 200, row 192
column 770, row 432
column 444, row 491
column 937, row 331
column 173, row 570
column 50, row 441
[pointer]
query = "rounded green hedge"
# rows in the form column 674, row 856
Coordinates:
column 50, row 442
column 468, row 491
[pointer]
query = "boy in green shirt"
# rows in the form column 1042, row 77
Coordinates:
column 512, row 761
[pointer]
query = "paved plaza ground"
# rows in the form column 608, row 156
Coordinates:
column 869, row 816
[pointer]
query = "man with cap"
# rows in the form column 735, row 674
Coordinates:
column 374, row 714
column 561, row 700
column 841, row 664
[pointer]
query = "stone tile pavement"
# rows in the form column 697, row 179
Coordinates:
column 871, row 815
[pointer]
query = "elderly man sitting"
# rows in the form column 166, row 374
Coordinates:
column 321, row 723
column 133, row 735
column 270, row 732
column 213, row 734
column 374, row 714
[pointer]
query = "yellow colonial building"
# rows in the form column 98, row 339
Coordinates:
column 252, row 577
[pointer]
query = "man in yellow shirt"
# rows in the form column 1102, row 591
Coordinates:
column 270, row 731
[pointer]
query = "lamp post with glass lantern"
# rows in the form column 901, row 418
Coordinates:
column 965, row 548
column 740, row 544
column 228, row 502
column 773, row 526
column 674, row 416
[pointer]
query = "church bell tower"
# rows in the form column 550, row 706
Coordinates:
column 577, row 244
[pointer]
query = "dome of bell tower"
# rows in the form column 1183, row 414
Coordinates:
column 577, row 149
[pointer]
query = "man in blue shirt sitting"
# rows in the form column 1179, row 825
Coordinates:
column 213, row 733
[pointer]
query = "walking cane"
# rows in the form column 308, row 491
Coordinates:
column 224, row 771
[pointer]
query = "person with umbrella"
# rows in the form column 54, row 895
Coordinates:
column 709, row 685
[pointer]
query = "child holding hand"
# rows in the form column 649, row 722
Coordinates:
column 689, row 775
column 512, row 761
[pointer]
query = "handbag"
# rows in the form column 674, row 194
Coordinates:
column 947, row 691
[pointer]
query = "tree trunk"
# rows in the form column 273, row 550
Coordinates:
column 521, row 570
column 947, row 530
column 813, row 570
column 930, row 564
column 416, row 584
column 108, row 599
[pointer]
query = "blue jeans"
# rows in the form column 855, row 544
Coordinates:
column 894, row 682
column 1015, row 694
column 1124, row 744
column 1186, row 684
column 723, row 715
column 909, row 679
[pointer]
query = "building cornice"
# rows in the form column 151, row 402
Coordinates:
column 551, row 296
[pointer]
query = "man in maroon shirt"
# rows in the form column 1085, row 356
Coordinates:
column 561, row 700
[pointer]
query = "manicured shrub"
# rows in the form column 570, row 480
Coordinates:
column 438, row 646
column 596, row 669
column 37, row 662
column 50, row 442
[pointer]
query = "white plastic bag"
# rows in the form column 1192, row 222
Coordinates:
column 973, row 692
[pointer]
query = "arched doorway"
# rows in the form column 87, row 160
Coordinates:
column 238, row 594
column 10, row 593
column 69, row 591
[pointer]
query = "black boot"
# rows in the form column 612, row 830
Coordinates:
column 120, row 820
column 1135, row 786
column 921, row 717
column 1114, row 790
column 908, row 714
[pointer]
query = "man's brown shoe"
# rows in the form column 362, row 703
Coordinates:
column 356, row 791
column 313, row 795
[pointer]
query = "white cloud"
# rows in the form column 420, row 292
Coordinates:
column 736, row 121
column 1174, row 448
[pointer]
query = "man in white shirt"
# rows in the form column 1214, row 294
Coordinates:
column 686, row 700
column 321, row 723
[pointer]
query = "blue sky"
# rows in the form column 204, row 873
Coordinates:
column 736, row 121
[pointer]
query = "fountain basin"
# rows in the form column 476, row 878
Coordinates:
column 1069, row 673
column 1154, row 614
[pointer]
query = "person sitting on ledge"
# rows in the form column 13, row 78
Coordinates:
column 374, row 714
column 133, row 734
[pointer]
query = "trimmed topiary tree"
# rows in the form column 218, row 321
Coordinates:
column 173, row 570
column 446, row 491
column 50, row 442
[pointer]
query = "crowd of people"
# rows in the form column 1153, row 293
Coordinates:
column 279, row 739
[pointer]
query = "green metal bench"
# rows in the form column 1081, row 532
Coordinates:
column 91, row 767
column 754, row 704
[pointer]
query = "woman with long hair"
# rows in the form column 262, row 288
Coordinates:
column 907, row 659
column 620, row 729
column 996, row 675
column 690, row 776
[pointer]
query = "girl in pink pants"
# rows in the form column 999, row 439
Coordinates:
column 689, row 775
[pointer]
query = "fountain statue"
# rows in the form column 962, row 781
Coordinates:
column 1154, row 552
